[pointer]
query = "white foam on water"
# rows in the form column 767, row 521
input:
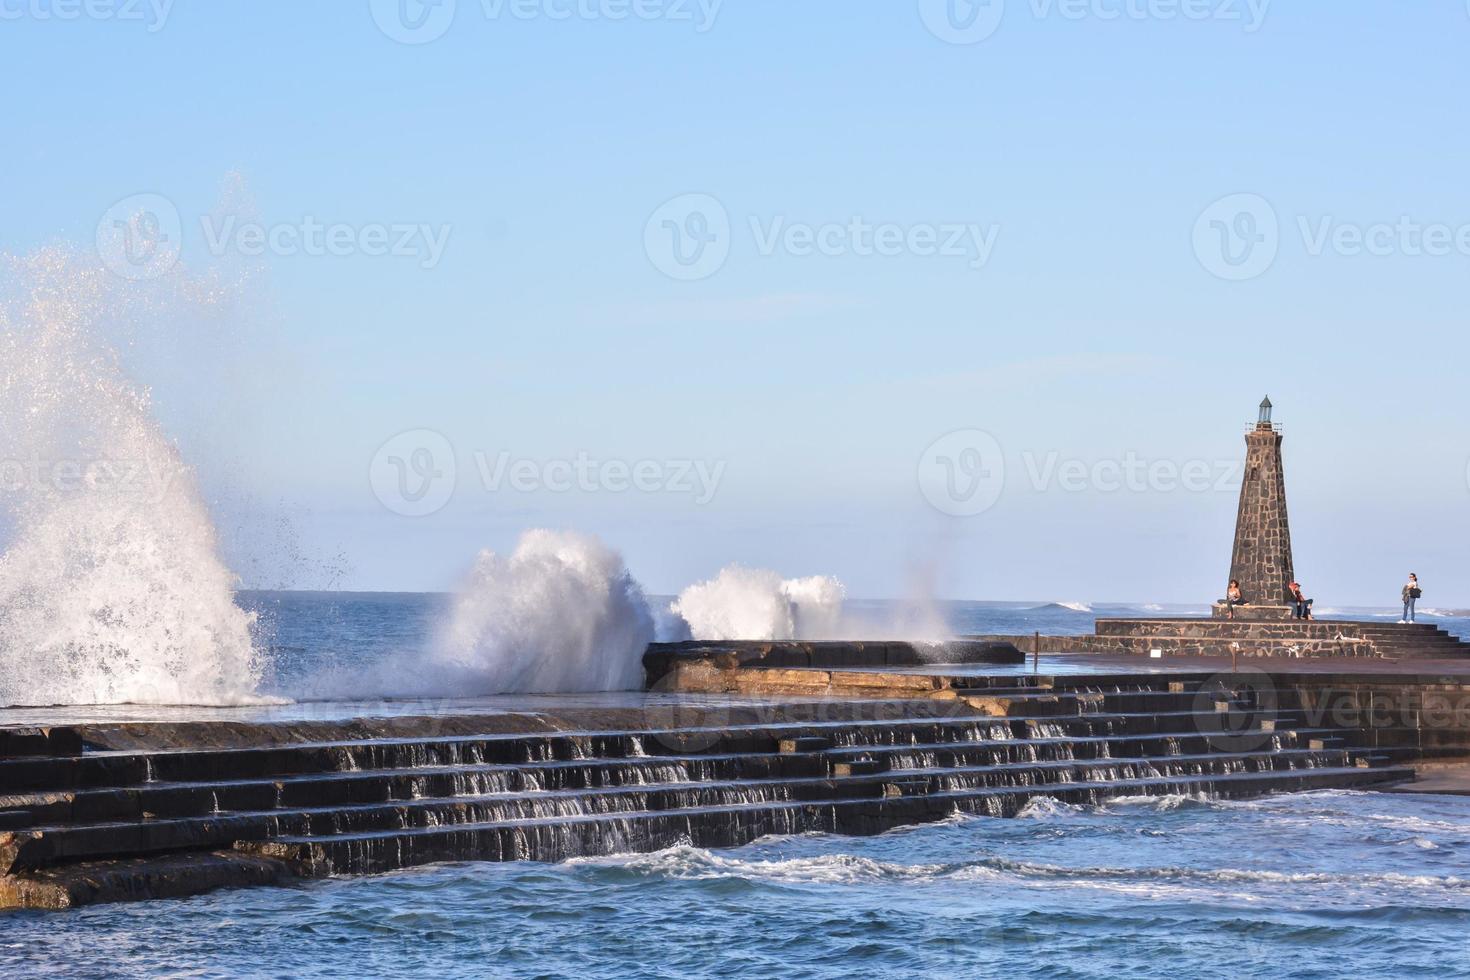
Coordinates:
column 559, row 614
column 743, row 603
column 111, row 586
column 1049, row 808
column 1161, row 803
column 690, row 863
column 757, row 604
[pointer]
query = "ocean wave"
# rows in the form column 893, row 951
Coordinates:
column 1225, row 876
column 1344, row 807
column 690, row 863
column 687, row 862
column 1049, row 808
column 113, row 588
column 1159, row 804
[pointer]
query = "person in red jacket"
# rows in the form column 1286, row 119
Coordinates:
column 1302, row 606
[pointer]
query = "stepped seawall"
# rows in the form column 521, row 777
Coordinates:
column 732, row 742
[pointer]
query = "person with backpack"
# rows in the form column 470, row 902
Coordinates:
column 1411, row 595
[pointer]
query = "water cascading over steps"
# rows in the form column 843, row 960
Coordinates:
column 86, row 825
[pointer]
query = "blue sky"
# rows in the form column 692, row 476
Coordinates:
column 1131, row 307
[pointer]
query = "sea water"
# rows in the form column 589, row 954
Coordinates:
column 1321, row 884
column 1324, row 884
column 317, row 641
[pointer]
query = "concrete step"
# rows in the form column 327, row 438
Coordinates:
column 102, row 770
column 560, row 838
column 89, row 825
column 208, row 797
column 273, row 862
column 48, row 845
column 802, row 744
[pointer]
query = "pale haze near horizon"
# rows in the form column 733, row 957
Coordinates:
column 1092, row 335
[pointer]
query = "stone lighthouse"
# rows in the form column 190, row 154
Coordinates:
column 1261, row 560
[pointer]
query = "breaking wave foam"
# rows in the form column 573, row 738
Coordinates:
column 755, row 604
column 111, row 587
column 559, row 614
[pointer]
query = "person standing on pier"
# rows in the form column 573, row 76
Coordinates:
column 1412, row 592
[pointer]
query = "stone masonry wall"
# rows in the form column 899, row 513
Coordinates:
column 1262, row 556
column 1195, row 646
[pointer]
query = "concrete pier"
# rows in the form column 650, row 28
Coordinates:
column 1254, row 639
column 734, row 743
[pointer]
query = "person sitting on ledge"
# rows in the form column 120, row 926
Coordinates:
column 1233, row 598
column 1301, row 605
column 1412, row 592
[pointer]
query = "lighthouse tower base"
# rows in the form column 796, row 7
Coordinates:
column 1255, row 614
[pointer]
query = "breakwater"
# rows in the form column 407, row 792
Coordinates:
column 717, row 755
column 1287, row 639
